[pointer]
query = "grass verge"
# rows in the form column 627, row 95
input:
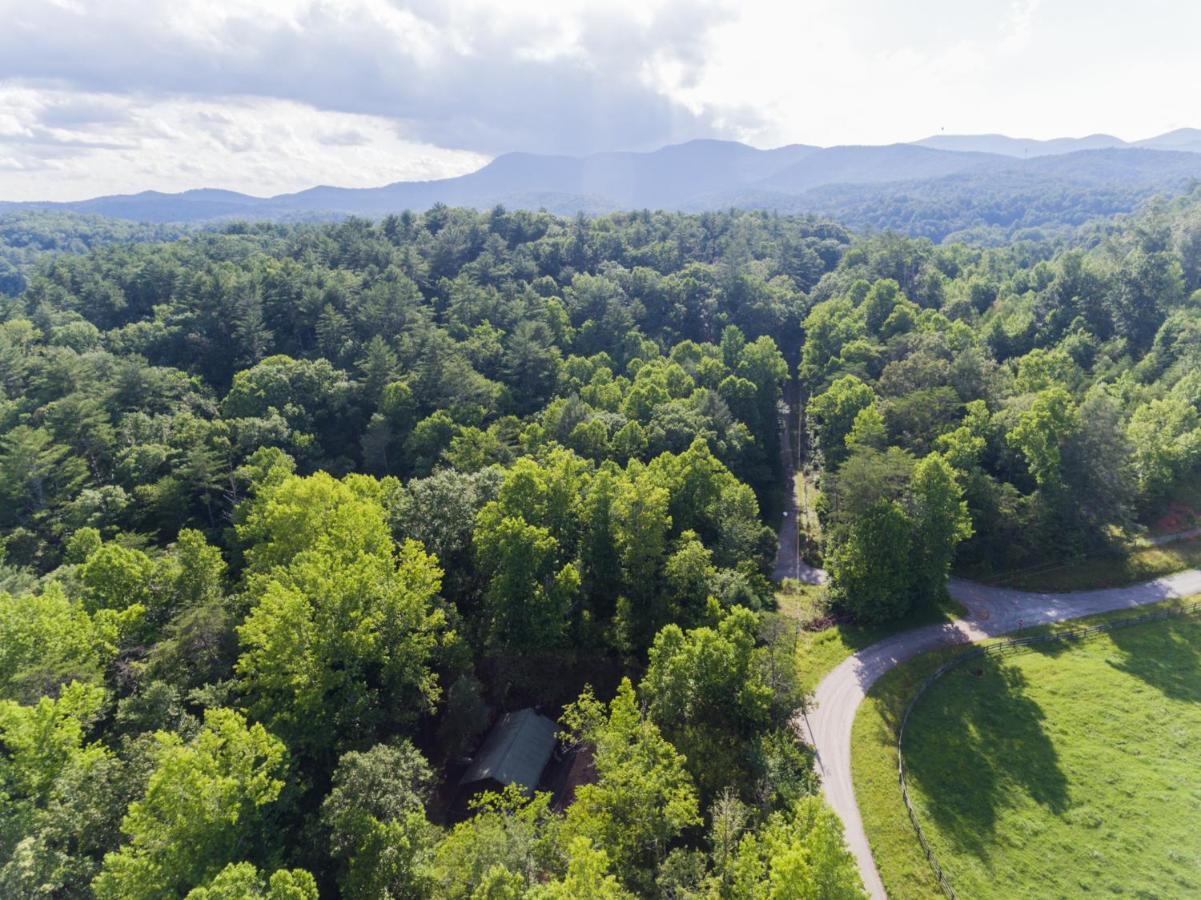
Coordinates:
column 808, row 496
column 1139, row 563
column 804, row 603
column 1055, row 772
column 821, row 650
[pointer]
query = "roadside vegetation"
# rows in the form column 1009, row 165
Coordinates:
column 1116, row 568
column 823, row 641
column 1005, row 410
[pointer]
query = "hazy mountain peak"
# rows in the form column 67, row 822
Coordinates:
column 1187, row 139
column 1020, row 147
column 704, row 174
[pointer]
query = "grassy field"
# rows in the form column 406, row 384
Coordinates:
column 1139, row 563
column 1062, row 771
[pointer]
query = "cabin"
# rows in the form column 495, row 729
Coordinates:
column 516, row 751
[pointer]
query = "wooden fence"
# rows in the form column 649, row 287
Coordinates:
column 1002, row 649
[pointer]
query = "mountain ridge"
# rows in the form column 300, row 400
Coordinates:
column 695, row 175
column 1020, row 147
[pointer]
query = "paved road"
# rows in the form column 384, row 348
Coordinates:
column 992, row 611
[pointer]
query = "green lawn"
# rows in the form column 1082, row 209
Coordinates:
column 1139, row 563
column 1066, row 770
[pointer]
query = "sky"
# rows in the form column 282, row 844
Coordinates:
column 271, row 96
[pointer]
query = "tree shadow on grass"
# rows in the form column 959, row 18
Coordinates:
column 1166, row 656
column 975, row 740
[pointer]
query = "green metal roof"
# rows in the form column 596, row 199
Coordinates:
column 515, row 752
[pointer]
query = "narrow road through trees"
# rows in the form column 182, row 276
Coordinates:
column 790, row 562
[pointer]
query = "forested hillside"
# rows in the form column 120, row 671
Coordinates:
column 27, row 236
column 290, row 515
column 1000, row 408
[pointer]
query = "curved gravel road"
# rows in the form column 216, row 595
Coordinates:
column 992, row 611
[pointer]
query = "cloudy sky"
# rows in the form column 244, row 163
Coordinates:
column 266, row 96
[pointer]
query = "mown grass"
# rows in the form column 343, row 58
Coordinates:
column 1140, row 562
column 1063, row 771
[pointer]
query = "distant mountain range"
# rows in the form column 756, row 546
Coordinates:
column 708, row 174
column 1184, row 139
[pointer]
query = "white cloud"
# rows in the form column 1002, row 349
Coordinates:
column 877, row 71
column 488, row 77
column 1021, row 25
column 253, row 145
column 271, row 95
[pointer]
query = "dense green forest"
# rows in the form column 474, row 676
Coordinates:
column 29, row 236
column 1052, row 197
column 289, row 512
column 990, row 210
column 1000, row 407
column 292, row 513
